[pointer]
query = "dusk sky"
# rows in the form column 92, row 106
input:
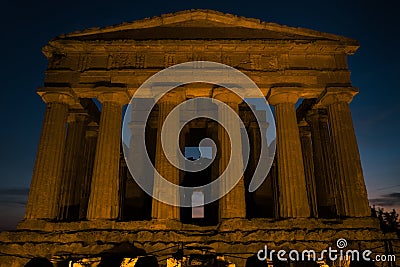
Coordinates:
column 28, row 25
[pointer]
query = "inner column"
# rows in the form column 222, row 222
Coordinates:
column 73, row 169
column 162, row 210
column 233, row 204
column 322, row 158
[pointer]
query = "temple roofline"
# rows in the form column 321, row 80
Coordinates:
column 216, row 17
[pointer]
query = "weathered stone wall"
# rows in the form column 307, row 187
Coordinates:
column 241, row 238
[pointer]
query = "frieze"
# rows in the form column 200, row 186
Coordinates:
column 83, row 62
column 120, row 60
column 246, row 61
column 226, row 59
column 169, row 60
column 140, row 61
column 255, row 62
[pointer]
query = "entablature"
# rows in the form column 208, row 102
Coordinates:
column 252, row 55
column 87, row 82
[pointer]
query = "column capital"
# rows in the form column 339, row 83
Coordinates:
column 77, row 117
column 92, row 129
column 212, row 124
column 317, row 113
column 338, row 94
column 226, row 96
column 253, row 124
column 65, row 98
column 304, row 129
column 175, row 96
column 283, row 95
column 116, row 97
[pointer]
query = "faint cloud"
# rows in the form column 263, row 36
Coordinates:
column 393, row 195
column 12, row 204
column 12, row 196
column 388, row 200
column 14, row 191
column 376, row 117
column 387, row 187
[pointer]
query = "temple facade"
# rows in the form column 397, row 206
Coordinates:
column 84, row 204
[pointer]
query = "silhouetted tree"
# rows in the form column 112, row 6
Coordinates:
column 389, row 221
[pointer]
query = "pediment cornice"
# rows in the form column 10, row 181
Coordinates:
column 203, row 19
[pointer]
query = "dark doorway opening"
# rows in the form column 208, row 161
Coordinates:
column 39, row 262
column 201, row 214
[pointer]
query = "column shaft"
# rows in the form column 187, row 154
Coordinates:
column 72, row 171
column 233, row 204
column 123, row 176
column 104, row 199
column 46, row 179
column 354, row 201
column 291, row 180
column 88, row 159
column 306, row 147
column 323, row 170
column 255, row 145
column 328, row 157
column 165, row 169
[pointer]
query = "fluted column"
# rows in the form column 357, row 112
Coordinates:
column 123, row 176
column 46, row 180
column 266, row 157
column 88, row 159
column 322, row 159
column 308, row 161
column 137, row 125
column 256, row 144
column 327, row 149
column 182, row 144
column 213, row 133
column 104, row 198
column 162, row 210
column 292, row 191
column 351, row 186
column 233, row 204
column 72, row 171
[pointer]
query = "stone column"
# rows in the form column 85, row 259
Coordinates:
column 182, row 145
column 322, row 159
column 46, row 180
column 255, row 139
column 326, row 139
column 72, row 171
column 137, row 125
column 263, row 142
column 233, row 204
column 123, row 176
column 292, row 192
column 351, row 186
column 212, row 129
column 306, row 148
column 165, row 169
column 104, row 198
column 88, row 159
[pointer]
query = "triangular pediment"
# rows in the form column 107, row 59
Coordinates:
column 201, row 24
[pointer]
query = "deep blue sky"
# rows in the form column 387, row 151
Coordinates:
column 29, row 25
